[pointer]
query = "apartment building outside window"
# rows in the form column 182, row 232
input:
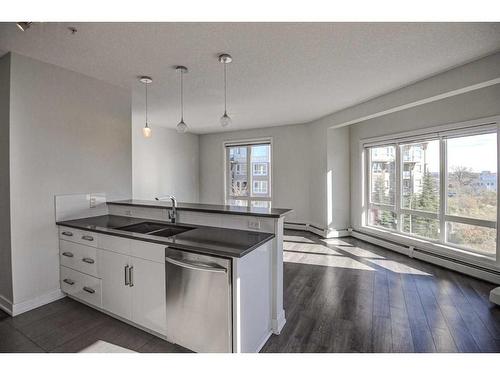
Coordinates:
column 243, row 188
column 441, row 187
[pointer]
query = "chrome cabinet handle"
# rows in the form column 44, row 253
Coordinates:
column 69, row 281
column 68, row 254
column 88, row 290
column 88, row 238
column 196, row 266
column 69, row 234
column 88, row 260
column 131, row 276
column 127, row 276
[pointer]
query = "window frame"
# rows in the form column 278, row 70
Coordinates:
column 247, row 143
column 441, row 133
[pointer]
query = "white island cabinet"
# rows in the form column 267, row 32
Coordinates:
column 126, row 278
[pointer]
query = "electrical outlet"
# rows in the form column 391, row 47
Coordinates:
column 128, row 213
column 92, row 201
column 254, row 224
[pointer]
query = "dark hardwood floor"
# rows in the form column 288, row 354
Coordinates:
column 340, row 295
column 346, row 295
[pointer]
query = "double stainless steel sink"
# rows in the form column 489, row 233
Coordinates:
column 155, row 229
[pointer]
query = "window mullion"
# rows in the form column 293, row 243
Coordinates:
column 443, row 188
column 498, row 194
column 397, row 200
column 249, row 171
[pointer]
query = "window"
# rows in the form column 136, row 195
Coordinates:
column 441, row 187
column 260, row 187
column 238, row 180
column 260, row 169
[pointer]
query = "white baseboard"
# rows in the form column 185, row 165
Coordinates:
column 325, row 233
column 19, row 308
column 279, row 323
column 263, row 341
column 6, row 305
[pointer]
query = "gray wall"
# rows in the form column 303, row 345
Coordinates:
column 69, row 134
column 476, row 104
column 165, row 164
column 5, row 254
column 290, row 169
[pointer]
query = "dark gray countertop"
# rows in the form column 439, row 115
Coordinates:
column 213, row 208
column 206, row 240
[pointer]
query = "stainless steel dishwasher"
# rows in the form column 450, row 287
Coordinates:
column 198, row 301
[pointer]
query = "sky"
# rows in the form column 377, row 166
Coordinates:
column 477, row 152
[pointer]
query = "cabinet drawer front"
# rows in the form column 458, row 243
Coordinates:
column 78, row 236
column 78, row 257
column 79, row 285
column 149, row 251
column 113, row 243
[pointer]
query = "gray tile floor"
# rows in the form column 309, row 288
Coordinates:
column 340, row 295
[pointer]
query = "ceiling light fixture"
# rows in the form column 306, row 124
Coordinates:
column 225, row 120
column 146, row 130
column 181, row 126
column 23, row 26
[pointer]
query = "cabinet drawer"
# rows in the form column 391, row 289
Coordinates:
column 78, row 257
column 81, row 286
column 149, row 251
column 78, row 236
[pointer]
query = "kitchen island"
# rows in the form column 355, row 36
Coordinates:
column 212, row 281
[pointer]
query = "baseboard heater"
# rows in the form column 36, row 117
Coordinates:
column 457, row 265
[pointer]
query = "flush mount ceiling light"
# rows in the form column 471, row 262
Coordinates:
column 181, row 126
column 23, row 26
column 146, row 130
column 225, row 120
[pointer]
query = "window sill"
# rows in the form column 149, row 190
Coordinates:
column 439, row 249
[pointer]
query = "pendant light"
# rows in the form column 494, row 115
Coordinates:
column 181, row 126
column 225, row 120
column 146, row 130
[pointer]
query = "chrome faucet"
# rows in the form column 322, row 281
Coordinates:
column 172, row 214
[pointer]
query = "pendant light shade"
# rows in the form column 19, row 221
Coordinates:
column 225, row 120
column 146, row 130
column 181, row 126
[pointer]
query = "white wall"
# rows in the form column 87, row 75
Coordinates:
column 338, row 193
column 165, row 164
column 290, row 169
column 469, row 106
column 68, row 133
column 5, row 252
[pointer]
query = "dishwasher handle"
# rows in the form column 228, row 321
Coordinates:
column 196, row 266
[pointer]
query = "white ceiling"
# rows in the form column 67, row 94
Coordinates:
column 282, row 73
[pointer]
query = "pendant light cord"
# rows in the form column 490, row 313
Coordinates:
column 146, row 104
column 182, row 96
column 225, row 90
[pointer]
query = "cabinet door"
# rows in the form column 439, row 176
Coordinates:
column 148, row 294
column 116, row 296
